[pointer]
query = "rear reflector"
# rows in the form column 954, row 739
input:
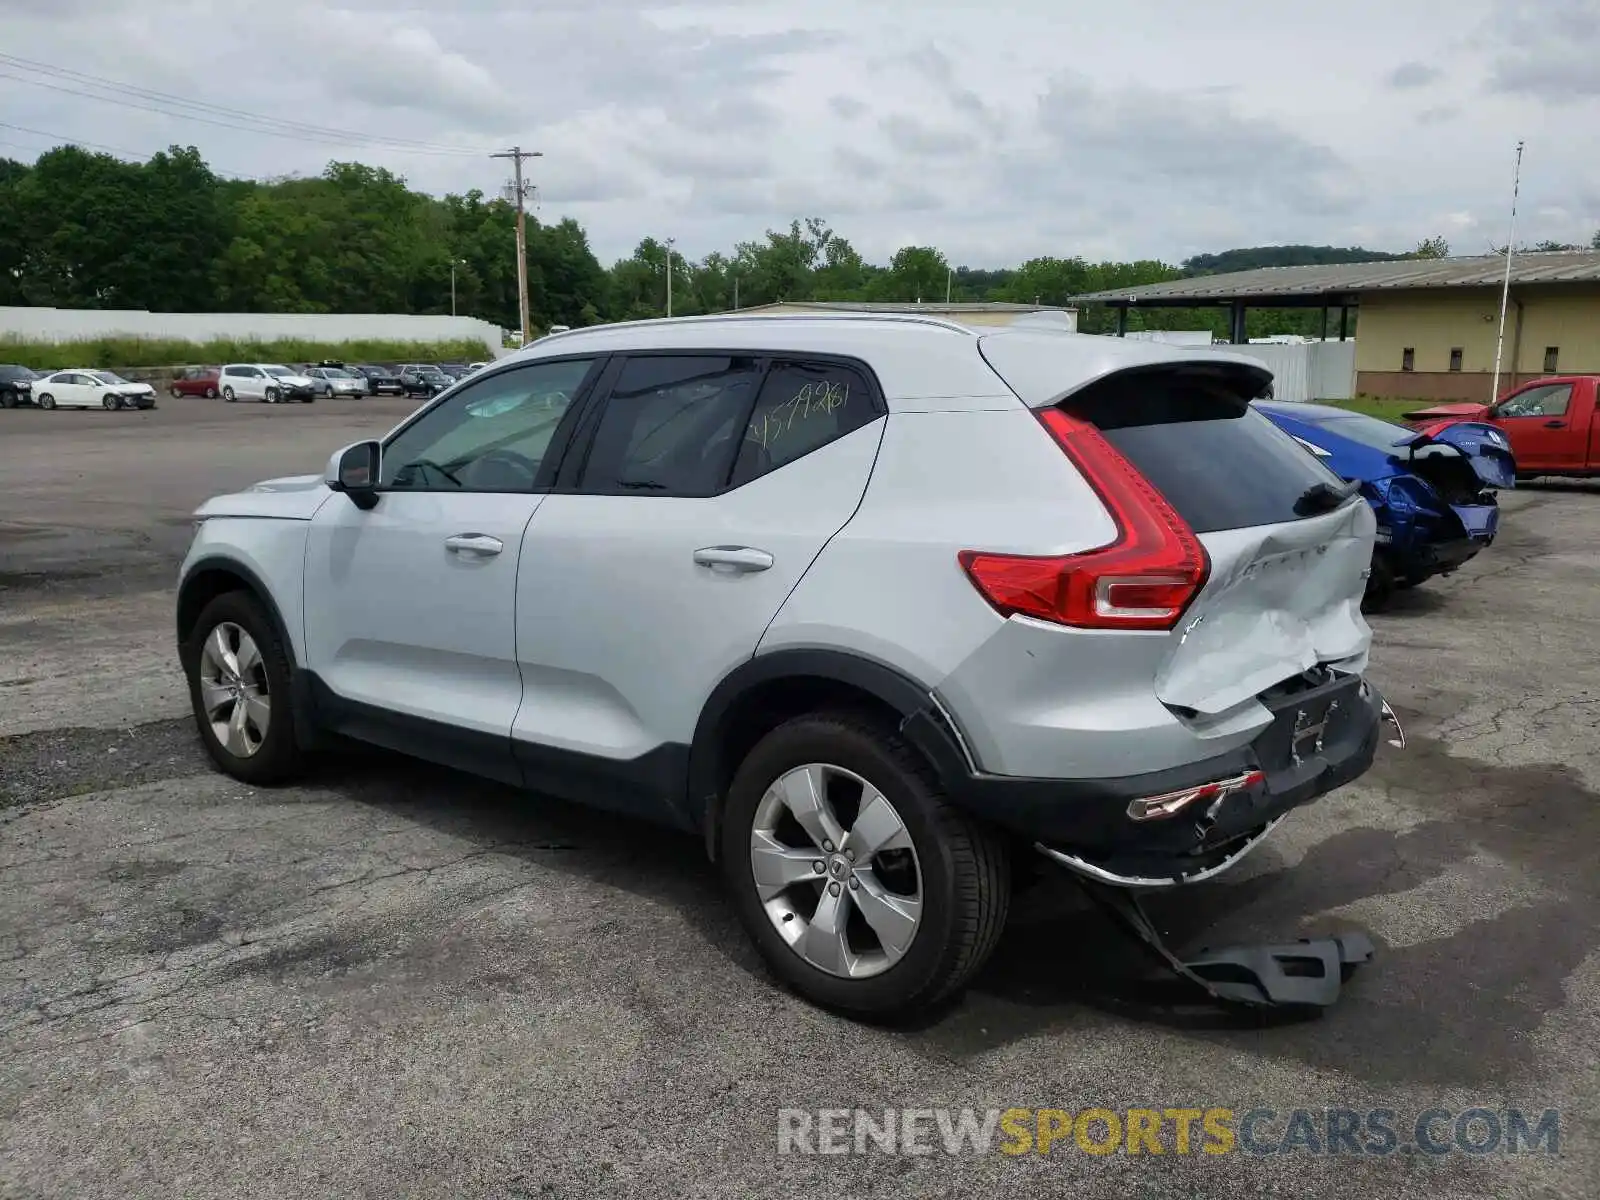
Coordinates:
column 1144, row 579
column 1154, row 808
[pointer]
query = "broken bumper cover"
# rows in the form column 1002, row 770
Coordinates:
column 1320, row 738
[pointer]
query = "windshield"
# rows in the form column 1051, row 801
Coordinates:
column 16, row 373
column 1369, row 431
column 335, row 373
column 108, row 377
column 278, row 372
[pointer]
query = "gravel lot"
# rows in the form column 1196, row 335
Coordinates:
column 400, row 981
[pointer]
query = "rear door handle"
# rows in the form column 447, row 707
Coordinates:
column 479, row 544
column 738, row 559
column 1555, row 424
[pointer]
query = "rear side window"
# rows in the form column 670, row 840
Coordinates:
column 672, row 425
column 803, row 406
column 1218, row 462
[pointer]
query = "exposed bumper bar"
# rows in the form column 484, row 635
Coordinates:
column 1100, row 875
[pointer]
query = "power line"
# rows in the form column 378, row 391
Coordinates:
column 169, row 105
column 63, row 139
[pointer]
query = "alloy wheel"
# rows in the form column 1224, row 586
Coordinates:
column 234, row 690
column 836, row 871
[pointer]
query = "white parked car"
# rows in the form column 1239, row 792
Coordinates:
column 876, row 606
column 271, row 383
column 80, row 388
column 333, row 381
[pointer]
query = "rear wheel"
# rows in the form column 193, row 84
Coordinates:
column 238, row 674
column 47, row 401
column 211, row 393
column 1380, row 585
column 174, row 392
column 862, row 886
column 227, row 395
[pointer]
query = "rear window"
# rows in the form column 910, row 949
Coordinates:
column 1218, row 462
column 1369, row 431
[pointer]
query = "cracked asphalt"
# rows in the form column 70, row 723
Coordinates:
column 398, row 981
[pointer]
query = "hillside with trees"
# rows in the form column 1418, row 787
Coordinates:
column 88, row 230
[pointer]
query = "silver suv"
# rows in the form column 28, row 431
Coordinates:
column 873, row 605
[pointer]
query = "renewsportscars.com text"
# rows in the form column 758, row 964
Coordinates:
column 1261, row 1131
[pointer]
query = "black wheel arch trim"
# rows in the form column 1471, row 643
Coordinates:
column 301, row 701
column 923, row 721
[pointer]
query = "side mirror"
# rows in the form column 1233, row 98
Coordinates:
column 355, row 471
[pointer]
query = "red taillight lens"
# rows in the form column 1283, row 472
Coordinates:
column 1144, row 579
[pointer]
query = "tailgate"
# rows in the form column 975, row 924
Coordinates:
column 1281, row 599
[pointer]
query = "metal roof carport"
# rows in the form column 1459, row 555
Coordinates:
column 1341, row 285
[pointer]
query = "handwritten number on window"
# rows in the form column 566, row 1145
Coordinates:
column 814, row 398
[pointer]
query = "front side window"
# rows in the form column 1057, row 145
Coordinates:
column 108, row 378
column 490, row 437
column 1549, row 401
column 672, row 425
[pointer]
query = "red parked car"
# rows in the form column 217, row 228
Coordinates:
column 1553, row 424
column 195, row 381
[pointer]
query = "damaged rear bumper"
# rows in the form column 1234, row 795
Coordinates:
column 1212, row 813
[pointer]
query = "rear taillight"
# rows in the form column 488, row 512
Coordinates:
column 1144, row 579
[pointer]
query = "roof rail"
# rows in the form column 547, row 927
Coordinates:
column 713, row 318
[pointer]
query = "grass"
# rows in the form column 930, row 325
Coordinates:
column 120, row 352
column 1388, row 408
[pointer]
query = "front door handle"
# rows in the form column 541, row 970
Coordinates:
column 737, row 559
column 479, row 544
column 1555, row 424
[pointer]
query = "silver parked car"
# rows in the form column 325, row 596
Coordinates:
column 335, row 381
column 874, row 605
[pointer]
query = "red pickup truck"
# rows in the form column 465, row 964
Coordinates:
column 1553, row 424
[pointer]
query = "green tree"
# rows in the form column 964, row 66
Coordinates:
column 1434, row 247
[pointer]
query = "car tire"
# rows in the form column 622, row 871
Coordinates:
column 230, row 726
column 307, row 399
column 1380, row 586
column 228, row 396
column 46, row 401
column 173, row 391
column 270, row 396
column 8, row 399
column 109, row 403
column 211, row 393
column 958, row 870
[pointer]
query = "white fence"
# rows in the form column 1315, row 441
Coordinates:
column 1308, row 371
column 75, row 324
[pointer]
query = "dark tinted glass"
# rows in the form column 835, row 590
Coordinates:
column 802, row 406
column 1219, row 462
column 671, row 425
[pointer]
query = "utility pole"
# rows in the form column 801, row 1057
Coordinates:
column 1505, row 289
column 736, row 291
column 949, row 278
column 669, row 277
column 454, row 263
column 519, row 192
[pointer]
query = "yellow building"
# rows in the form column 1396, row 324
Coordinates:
column 987, row 313
column 1424, row 329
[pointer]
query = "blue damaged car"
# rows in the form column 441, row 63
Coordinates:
column 1434, row 495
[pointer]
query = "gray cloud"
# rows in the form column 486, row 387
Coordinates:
column 1207, row 151
column 1549, row 51
column 1413, row 75
column 898, row 121
column 920, row 140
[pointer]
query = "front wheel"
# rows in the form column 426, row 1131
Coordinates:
column 1380, row 585
column 109, row 403
column 862, row 886
column 47, row 401
column 238, row 674
column 271, row 396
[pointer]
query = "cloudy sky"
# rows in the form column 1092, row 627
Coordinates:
column 997, row 130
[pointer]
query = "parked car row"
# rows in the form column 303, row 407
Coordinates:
column 80, row 387
column 270, row 383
